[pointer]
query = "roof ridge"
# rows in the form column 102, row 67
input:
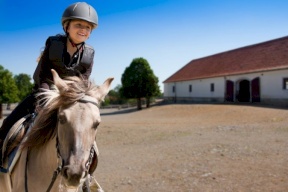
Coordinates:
column 241, row 48
column 255, row 57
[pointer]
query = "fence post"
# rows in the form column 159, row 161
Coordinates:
column 1, row 111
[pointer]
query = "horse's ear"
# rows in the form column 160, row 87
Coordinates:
column 104, row 88
column 59, row 83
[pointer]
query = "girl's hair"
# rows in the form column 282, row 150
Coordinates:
column 39, row 57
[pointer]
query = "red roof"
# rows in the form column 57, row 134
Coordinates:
column 266, row 56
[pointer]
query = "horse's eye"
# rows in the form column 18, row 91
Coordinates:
column 62, row 119
column 96, row 125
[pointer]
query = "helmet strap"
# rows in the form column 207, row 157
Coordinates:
column 65, row 27
column 74, row 44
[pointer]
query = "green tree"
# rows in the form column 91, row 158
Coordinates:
column 8, row 88
column 23, row 82
column 139, row 81
column 115, row 96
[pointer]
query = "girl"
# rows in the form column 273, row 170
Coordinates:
column 67, row 54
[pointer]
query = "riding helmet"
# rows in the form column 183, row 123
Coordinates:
column 80, row 10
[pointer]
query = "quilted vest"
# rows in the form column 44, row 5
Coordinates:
column 56, row 57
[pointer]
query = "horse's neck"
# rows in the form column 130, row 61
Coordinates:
column 42, row 162
column 45, row 156
column 41, row 165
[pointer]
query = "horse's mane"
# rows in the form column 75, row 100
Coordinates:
column 45, row 125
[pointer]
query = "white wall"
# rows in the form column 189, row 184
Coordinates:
column 200, row 88
column 271, row 83
column 271, row 86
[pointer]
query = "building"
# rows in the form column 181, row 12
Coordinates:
column 255, row 73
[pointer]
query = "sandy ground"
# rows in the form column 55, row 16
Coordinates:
column 194, row 148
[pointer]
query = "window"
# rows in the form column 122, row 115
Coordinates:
column 285, row 83
column 173, row 89
column 190, row 88
column 212, row 87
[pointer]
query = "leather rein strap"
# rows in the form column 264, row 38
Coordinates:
column 59, row 168
column 55, row 174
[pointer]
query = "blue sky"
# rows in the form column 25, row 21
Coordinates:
column 168, row 33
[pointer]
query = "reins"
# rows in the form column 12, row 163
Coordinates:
column 55, row 174
column 60, row 166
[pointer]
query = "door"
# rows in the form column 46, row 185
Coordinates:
column 256, row 89
column 229, row 91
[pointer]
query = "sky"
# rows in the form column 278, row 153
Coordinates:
column 167, row 33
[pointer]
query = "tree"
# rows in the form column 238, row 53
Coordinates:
column 23, row 82
column 116, row 97
column 8, row 88
column 139, row 81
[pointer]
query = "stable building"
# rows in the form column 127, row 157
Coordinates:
column 254, row 73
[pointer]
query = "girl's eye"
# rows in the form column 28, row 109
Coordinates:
column 80, row 26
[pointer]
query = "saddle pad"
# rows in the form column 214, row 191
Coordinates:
column 10, row 161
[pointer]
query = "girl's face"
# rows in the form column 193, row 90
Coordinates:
column 79, row 30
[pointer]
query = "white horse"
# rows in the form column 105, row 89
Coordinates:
column 61, row 140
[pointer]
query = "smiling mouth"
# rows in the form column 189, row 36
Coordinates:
column 81, row 34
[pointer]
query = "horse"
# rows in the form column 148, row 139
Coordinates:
column 62, row 139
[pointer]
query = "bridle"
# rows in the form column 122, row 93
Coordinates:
column 85, row 99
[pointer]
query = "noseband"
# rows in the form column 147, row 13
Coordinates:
column 85, row 99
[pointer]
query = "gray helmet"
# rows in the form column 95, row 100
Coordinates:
column 80, row 10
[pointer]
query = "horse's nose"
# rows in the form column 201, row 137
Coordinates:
column 73, row 175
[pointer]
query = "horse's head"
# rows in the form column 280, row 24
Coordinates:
column 74, row 106
column 78, row 119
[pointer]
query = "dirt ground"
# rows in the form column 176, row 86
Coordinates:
column 194, row 148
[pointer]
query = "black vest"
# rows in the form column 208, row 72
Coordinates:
column 56, row 46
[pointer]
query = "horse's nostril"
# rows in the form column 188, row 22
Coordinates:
column 72, row 175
